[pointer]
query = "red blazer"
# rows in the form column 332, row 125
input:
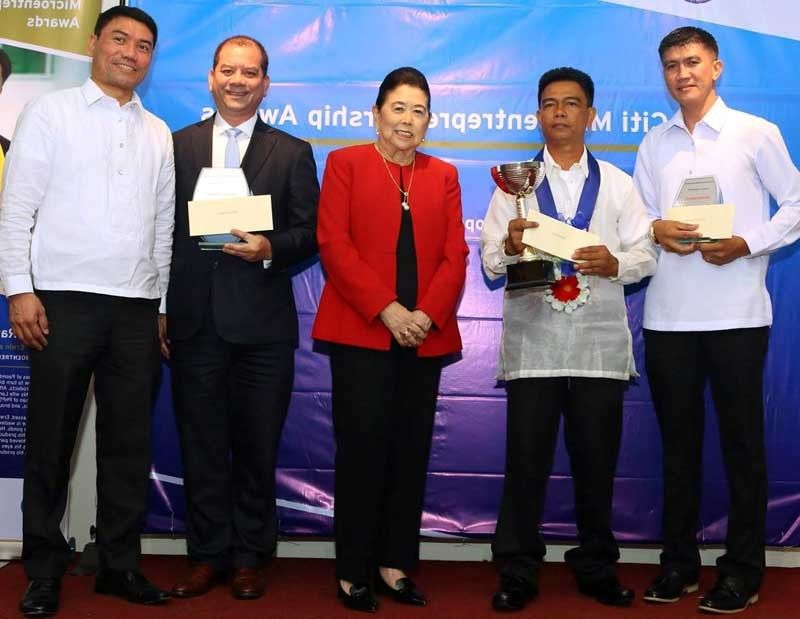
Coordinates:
column 357, row 229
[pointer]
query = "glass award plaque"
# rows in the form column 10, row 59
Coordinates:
column 215, row 184
column 696, row 194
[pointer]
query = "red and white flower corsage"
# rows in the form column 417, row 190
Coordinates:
column 568, row 292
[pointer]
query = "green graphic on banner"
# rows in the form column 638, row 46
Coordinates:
column 61, row 27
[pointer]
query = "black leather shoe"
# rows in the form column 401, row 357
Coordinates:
column 131, row 586
column 668, row 587
column 608, row 592
column 41, row 597
column 405, row 593
column 728, row 596
column 513, row 594
column 360, row 598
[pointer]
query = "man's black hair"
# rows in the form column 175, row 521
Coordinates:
column 686, row 35
column 242, row 40
column 568, row 74
column 126, row 11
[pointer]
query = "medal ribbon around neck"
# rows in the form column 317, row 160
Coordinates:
column 404, row 203
column 571, row 290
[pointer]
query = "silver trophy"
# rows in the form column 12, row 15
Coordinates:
column 520, row 179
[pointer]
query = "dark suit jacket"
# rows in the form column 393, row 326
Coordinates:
column 4, row 144
column 251, row 304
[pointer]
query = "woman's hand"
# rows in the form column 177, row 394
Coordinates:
column 403, row 326
column 422, row 320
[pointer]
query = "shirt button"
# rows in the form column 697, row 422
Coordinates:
column 119, row 172
column 122, row 145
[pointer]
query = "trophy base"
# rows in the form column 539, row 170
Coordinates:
column 530, row 274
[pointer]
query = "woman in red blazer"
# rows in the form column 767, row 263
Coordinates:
column 392, row 244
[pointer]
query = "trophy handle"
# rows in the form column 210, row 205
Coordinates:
column 499, row 180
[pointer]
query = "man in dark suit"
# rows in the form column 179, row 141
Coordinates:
column 231, row 327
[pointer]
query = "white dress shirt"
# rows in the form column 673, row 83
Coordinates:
column 89, row 199
column 594, row 340
column 748, row 157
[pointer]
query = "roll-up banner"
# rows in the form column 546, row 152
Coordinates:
column 483, row 60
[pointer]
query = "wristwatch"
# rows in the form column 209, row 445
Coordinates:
column 653, row 238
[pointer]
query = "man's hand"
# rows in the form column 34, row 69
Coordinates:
column 162, row 335
column 27, row 316
column 256, row 247
column 516, row 227
column 596, row 260
column 724, row 251
column 668, row 233
column 402, row 325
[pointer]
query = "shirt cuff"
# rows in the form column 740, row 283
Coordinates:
column 621, row 268
column 754, row 242
column 267, row 263
column 18, row 284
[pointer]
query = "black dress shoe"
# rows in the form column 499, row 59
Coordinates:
column 130, row 585
column 513, row 594
column 406, row 592
column 41, row 597
column 360, row 598
column 668, row 587
column 608, row 592
column 728, row 596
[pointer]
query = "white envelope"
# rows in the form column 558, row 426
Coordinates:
column 714, row 221
column 248, row 213
column 555, row 237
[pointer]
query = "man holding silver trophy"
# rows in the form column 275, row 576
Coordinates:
column 566, row 347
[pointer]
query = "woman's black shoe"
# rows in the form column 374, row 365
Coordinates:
column 405, row 593
column 359, row 598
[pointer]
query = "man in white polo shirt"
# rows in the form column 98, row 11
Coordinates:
column 85, row 245
column 707, row 315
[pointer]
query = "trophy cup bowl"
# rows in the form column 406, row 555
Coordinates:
column 519, row 179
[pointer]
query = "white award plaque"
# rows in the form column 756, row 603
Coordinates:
column 698, row 202
column 217, row 184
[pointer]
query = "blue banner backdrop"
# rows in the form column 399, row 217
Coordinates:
column 483, row 60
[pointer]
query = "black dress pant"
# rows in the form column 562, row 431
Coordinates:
column 384, row 403
column 230, row 404
column 592, row 409
column 116, row 339
column 679, row 364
